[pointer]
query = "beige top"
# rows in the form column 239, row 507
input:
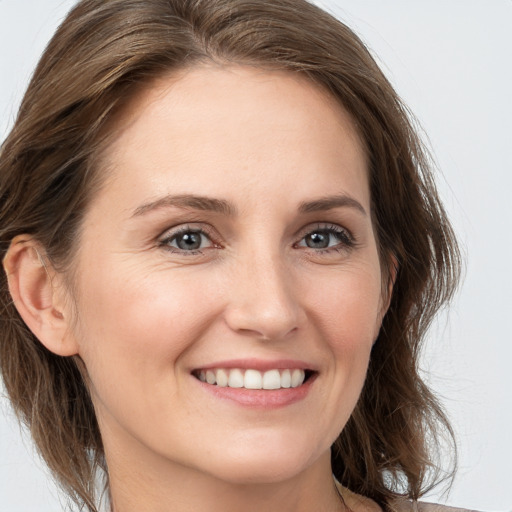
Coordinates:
column 358, row 503
column 407, row 506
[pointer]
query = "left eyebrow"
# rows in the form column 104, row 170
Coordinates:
column 330, row 202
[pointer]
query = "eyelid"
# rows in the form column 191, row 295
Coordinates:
column 204, row 229
column 324, row 226
column 350, row 243
column 213, row 236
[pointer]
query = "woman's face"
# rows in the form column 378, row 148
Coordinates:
column 232, row 242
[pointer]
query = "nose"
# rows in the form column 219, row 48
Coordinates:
column 263, row 302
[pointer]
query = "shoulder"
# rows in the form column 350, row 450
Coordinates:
column 421, row 506
column 357, row 503
column 433, row 507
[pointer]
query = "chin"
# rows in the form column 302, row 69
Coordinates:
column 265, row 464
column 258, row 473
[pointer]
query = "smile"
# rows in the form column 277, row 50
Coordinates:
column 253, row 379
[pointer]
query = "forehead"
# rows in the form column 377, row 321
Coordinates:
column 214, row 124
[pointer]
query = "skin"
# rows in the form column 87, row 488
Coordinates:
column 150, row 313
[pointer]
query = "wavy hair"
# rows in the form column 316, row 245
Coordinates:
column 106, row 50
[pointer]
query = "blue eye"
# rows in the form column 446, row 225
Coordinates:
column 188, row 240
column 329, row 237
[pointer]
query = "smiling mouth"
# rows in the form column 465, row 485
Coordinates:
column 254, row 379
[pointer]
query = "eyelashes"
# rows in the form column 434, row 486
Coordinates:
column 191, row 240
column 327, row 238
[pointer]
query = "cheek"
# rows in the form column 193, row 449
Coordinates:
column 343, row 306
column 135, row 325
column 346, row 311
column 346, row 305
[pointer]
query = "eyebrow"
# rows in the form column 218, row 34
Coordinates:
column 189, row 202
column 204, row 203
column 331, row 202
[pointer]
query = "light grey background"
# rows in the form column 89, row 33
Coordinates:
column 451, row 62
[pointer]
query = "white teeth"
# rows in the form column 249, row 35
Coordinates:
column 236, row 379
column 297, row 378
column 221, row 378
column 253, row 379
column 271, row 379
column 286, row 379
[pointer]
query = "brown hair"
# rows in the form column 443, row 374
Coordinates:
column 103, row 51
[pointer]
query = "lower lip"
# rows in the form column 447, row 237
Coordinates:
column 260, row 398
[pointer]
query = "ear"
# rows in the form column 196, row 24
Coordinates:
column 39, row 295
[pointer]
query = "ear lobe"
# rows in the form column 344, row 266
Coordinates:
column 39, row 295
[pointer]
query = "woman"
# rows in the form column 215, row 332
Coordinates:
column 222, row 247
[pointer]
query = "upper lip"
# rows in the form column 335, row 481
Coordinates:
column 261, row 365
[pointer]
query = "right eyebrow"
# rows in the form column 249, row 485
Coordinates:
column 189, row 202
